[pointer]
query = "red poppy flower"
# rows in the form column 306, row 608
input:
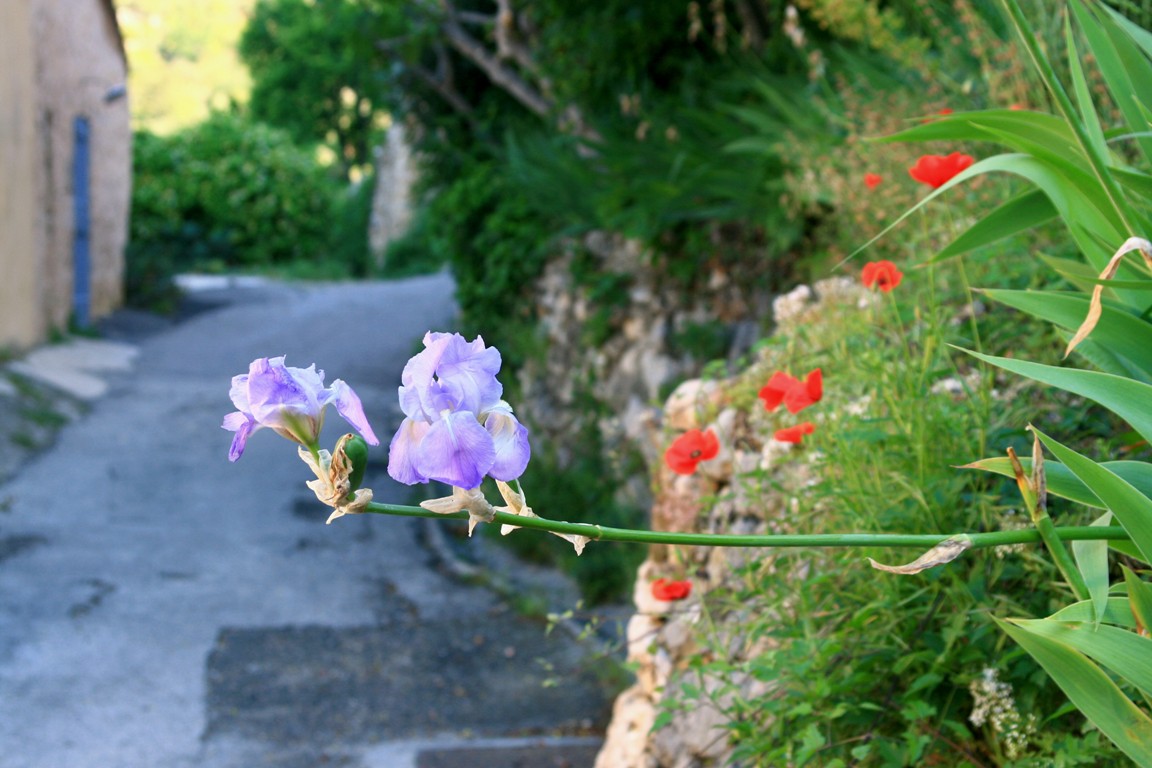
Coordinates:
column 872, row 180
column 690, row 449
column 1017, row 107
column 794, row 394
column 938, row 170
column 668, row 590
column 881, row 274
column 777, row 387
column 795, row 434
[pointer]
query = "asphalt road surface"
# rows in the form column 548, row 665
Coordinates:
column 161, row 607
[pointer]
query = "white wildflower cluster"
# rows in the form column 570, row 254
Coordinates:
column 993, row 704
column 1011, row 520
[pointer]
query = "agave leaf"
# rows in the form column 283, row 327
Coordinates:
column 1116, row 611
column 1063, row 483
column 1088, row 114
column 1139, row 600
column 1091, row 691
column 1019, row 214
column 1092, row 560
column 1125, row 67
column 1125, row 653
column 1133, row 509
column 1126, row 398
column 1119, row 331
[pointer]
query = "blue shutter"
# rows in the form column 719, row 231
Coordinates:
column 81, row 250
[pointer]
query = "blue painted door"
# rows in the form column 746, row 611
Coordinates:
column 81, row 250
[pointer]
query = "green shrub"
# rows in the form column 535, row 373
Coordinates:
column 223, row 194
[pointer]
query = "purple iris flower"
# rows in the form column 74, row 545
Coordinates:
column 456, row 428
column 291, row 401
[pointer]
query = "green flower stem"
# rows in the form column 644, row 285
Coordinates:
column 916, row 541
column 1054, row 542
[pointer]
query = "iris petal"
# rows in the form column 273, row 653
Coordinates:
column 243, row 425
column 349, row 406
column 456, row 450
column 472, row 369
column 402, row 452
column 510, row 439
column 418, row 375
column 239, row 393
column 272, row 389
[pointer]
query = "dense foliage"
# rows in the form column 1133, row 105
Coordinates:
column 228, row 193
column 307, row 62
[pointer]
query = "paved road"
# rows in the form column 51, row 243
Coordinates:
column 161, row 607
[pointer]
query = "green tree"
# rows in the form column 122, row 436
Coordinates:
column 314, row 72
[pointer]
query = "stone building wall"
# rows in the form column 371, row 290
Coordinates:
column 81, row 71
column 62, row 60
column 21, row 235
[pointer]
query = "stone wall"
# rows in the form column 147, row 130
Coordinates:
column 392, row 196
column 628, row 369
column 749, row 488
column 627, row 373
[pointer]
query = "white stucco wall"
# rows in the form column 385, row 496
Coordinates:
column 79, row 62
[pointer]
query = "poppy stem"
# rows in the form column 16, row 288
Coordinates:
column 839, row 540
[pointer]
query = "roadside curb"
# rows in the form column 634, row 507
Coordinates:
column 50, row 387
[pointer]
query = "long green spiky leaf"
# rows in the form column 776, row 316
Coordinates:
column 1132, row 509
column 1125, row 653
column 1116, row 611
column 1118, row 331
column 1091, row 691
column 1139, row 35
column 1125, row 68
column 1019, row 214
column 1139, row 598
column 1063, row 483
column 1140, row 183
column 1019, row 131
column 1088, row 114
column 1092, row 560
column 1090, row 226
column 1126, row 398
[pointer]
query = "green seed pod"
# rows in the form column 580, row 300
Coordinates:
column 357, row 452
